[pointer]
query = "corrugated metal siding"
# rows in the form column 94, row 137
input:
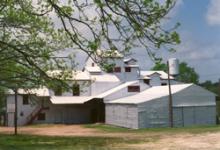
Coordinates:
column 122, row 115
column 178, row 117
column 153, row 113
column 198, row 115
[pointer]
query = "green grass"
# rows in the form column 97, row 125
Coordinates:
column 29, row 142
column 193, row 129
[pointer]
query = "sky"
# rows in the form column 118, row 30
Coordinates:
column 200, row 38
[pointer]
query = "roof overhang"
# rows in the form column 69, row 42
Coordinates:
column 70, row 99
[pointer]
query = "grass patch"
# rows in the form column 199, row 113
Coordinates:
column 193, row 129
column 108, row 128
column 29, row 142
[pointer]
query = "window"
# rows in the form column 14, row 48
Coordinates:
column 127, row 69
column 58, row 91
column 147, row 81
column 163, row 84
column 25, row 100
column 41, row 116
column 76, row 90
column 117, row 69
column 93, row 64
column 134, row 88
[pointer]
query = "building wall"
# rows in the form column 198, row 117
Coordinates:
column 23, row 110
column 121, row 115
column 66, row 114
column 155, row 80
column 99, row 87
column 194, row 106
column 193, row 96
column 194, row 115
column 85, row 89
column 153, row 113
column 118, row 63
column 133, row 75
column 124, row 92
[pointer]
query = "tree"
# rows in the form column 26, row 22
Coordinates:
column 186, row 74
column 29, row 39
column 116, row 25
column 209, row 85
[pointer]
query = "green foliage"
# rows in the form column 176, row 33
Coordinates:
column 187, row 74
column 27, row 142
column 28, row 41
column 213, row 87
column 108, row 67
column 117, row 25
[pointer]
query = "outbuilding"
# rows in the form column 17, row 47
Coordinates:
column 192, row 105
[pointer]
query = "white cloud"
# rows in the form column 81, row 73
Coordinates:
column 213, row 13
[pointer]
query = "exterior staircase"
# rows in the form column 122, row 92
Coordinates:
column 34, row 114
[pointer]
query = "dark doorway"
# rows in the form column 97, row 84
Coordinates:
column 97, row 110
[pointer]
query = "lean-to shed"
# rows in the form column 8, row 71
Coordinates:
column 192, row 105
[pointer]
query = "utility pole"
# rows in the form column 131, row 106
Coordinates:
column 16, row 112
column 170, row 98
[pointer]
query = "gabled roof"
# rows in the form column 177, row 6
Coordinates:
column 113, row 90
column 163, row 75
column 69, row 75
column 105, row 77
column 132, row 66
column 150, row 94
column 94, row 69
column 126, row 60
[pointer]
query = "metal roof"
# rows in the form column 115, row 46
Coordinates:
column 70, row 99
column 113, row 90
column 69, row 74
column 163, row 75
column 150, row 94
column 94, row 69
column 129, row 59
column 105, row 77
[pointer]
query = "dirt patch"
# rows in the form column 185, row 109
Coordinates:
column 62, row 130
column 182, row 141
column 142, row 140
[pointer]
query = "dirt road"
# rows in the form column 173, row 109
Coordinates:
column 148, row 140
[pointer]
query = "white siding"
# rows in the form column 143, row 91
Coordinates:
column 26, row 110
column 67, row 114
column 124, row 92
column 198, row 115
column 153, row 113
column 121, row 115
column 133, row 75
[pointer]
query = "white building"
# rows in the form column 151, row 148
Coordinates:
column 125, row 96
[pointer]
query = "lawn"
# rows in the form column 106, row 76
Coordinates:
column 105, row 137
column 30, row 142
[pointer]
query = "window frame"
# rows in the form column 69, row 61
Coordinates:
column 76, row 86
column 117, row 69
column 133, row 88
column 127, row 69
column 25, row 99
